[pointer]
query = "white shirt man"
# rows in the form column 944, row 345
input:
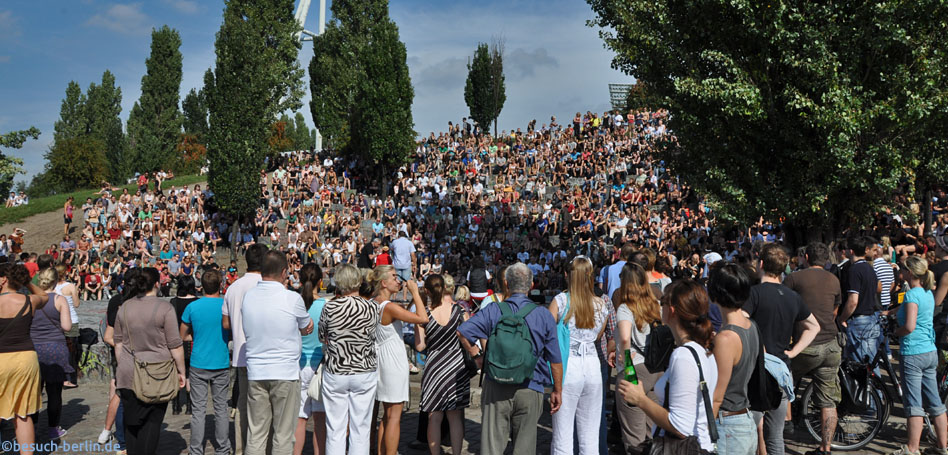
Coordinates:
column 233, row 320
column 275, row 319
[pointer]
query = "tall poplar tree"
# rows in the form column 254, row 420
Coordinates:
column 361, row 89
column 154, row 123
column 72, row 121
column 256, row 76
column 102, row 113
column 194, row 108
column 485, row 91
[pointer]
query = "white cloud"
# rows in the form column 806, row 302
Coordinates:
column 555, row 64
column 8, row 24
column 125, row 19
column 183, row 6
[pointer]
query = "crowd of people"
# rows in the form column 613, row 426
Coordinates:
column 542, row 259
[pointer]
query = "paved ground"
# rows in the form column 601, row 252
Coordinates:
column 85, row 407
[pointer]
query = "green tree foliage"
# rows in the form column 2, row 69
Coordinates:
column 72, row 121
column 154, row 124
column 361, row 89
column 102, row 112
column 11, row 166
column 303, row 137
column 810, row 111
column 194, row 108
column 485, row 91
column 256, row 76
column 62, row 163
column 289, row 131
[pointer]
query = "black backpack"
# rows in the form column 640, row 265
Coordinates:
column 658, row 348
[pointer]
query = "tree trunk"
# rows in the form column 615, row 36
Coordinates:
column 927, row 209
column 236, row 240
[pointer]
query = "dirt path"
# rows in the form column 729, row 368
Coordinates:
column 43, row 230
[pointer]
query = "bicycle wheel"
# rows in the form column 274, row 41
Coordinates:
column 853, row 429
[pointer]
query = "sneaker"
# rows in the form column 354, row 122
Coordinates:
column 56, row 433
column 934, row 451
column 904, row 451
column 105, row 436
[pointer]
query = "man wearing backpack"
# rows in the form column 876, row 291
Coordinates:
column 520, row 343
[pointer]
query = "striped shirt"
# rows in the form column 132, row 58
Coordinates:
column 886, row 275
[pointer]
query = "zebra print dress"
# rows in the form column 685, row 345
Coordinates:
column 446, row 384
column 347, row 329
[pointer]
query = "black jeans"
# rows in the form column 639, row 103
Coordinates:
column 142, row 423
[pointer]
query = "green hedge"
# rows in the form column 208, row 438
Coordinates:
column 56, row 202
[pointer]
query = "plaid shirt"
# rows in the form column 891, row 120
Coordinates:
column 610, row 331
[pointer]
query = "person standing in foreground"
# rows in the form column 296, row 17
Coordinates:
column 682, row 412
column 512, row 411
column 919, row 360
column 778, row 312
column 275, row 318
column 19, row 365
column 146, row 329
column 347, row 329
column 233, row 320
column 821, row 293
column 736, row 349
column 210, row 359
column 586, row 315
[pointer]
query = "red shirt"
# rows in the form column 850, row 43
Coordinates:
column 383, row 259
column 32, row 267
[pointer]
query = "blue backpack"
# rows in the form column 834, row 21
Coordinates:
column 562, row 336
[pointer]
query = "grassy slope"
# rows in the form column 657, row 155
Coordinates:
column 56, row 202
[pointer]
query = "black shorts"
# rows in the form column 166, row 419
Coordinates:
column 67, row 219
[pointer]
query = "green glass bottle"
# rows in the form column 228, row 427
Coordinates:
column 630, row 369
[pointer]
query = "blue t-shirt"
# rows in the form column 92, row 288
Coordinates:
column 542, row 333
column 922, row 339
column 210, row 339
column 312, row 348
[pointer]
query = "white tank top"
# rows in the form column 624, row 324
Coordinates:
column 72, row 308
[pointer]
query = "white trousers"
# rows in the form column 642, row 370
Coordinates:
column 582, row 403
column 349, row 400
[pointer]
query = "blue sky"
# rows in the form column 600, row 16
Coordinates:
column 554, row 65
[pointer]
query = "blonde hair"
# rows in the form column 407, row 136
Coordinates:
column 348, row 278
column 918, row 267
column 374, row 277
column 47, row 278
column 581, row 295
column 636, row 293
column 448, row 284
column 463, row 293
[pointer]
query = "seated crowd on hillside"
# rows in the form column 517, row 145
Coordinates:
column 578, row 229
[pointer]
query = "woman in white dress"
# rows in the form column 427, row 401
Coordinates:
column 392, row 389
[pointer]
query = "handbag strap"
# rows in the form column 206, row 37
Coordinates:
column 712, row 426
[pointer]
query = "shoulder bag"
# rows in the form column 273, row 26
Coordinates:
column 691, row 445
column 152, row 382
column 763, row 391
column 659, row 345
column 316, row 384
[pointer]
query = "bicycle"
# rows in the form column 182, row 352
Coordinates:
column 866, row 403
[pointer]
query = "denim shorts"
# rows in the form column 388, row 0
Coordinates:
column 737, row 435
column 920, row 385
